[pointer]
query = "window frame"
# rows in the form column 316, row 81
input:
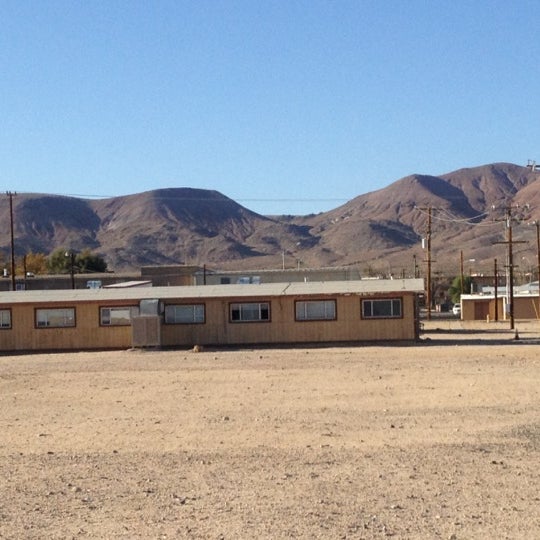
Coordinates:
column 314, row 301
column 49, row 326
column 133, row 311
column 2, row 325
column 233, row 320
column 371, row 301
column 194, row 306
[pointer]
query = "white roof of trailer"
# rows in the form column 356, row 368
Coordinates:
column 359, row 287
column 517, row 294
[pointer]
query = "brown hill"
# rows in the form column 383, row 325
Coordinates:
column 385, row 228
column 166, row 226
column 378, row 231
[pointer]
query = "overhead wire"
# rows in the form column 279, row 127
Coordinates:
column 454, row 219
column 225, row 197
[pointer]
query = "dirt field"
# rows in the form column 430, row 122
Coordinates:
column 435, row 440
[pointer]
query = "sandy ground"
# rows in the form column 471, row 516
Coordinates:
column 435, row 440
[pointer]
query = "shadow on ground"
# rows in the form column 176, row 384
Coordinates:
column 479, row 333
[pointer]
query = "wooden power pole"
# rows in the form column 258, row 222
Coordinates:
column 10, row 195
column 510, row 263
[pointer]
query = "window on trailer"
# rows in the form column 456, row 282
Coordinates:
column 250, row 312
column 387, row 308
column 5, row 318
column 315, row 310
column 185, row 314
column 55, row 317
column 117, row 316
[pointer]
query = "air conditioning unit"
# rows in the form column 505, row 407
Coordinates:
column 151, row 306
column 146, row 331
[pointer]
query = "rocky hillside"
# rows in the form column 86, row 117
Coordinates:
column 381, row 230
column 467, row 208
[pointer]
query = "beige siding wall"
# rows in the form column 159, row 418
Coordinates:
column 87, row 334
column 284, row 329
column 467, row 310
column 217, row 330
column 500, row 310
column 478, row 309
column 526, row 307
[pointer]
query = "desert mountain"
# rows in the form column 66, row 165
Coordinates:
column 386, row 227
column 381, row 230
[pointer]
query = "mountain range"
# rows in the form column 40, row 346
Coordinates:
column 467, row 212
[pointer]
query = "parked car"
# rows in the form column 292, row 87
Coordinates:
column 456, row 310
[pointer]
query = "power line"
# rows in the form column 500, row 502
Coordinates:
column 454, row 219
column 224, row 198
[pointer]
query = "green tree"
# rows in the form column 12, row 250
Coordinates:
column 455, row 289
column 86, row 261
column 60, row 261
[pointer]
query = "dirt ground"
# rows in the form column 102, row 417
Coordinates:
column 439, row 439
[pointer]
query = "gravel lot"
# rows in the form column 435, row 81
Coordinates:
column 439, row 439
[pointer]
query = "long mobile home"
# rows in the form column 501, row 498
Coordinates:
column 212, row 315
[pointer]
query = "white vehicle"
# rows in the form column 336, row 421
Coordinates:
column 456, row 310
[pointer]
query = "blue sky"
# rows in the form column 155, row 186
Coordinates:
column 289, row 106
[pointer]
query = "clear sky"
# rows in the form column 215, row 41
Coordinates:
column 285, row 106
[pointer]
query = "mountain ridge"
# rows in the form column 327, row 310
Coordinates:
column 382, row 228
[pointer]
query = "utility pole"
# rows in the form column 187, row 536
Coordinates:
column 71, row 256
column 428, row 247
column 510, row 263
column 24, row 270
column 496, row 288
column 461, row 271
column 536, row 223
column 426, row 244
column 10, row 195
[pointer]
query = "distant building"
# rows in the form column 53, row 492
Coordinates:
column 487, row 306
column 170, row 275
column 179, row 275
column 155, row 275
column 278, row 275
